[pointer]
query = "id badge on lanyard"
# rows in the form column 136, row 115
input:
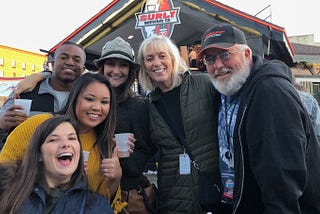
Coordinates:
column 184, row 164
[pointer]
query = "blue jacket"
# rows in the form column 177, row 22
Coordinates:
column 313, row 109
column 78, row 199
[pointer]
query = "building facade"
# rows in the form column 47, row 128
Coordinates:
column 17, row 63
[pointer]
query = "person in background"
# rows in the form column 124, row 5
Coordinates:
column 92, row 103
column 118, row 66
column 182, row 121
column 268, row 148
column 192, row 58
column 48, row 95
column 50, row 177
column 311, row 105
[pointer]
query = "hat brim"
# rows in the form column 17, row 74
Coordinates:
column 99, row 61
column 217, row 46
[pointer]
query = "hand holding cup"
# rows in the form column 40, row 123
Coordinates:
column 125, row 144
column 85, row 160
column 25, row 103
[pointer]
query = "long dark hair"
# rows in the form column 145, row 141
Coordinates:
column 105, row 130
column 19, row 179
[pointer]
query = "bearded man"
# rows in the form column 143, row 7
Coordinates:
column 269, row 154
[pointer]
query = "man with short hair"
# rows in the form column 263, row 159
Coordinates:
column 51, row 94
column 269, row 155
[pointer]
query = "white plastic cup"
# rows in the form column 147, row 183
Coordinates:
column 122, row 143
column 25, row 103
column 85, row 155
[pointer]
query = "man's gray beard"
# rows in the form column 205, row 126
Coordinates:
column 236, row 81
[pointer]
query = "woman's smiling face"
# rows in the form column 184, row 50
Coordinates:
column 93, row 106
column 159, row 66
column 60, row 154
column 116, row 71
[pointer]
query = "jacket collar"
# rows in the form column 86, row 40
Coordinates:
column 39, row 191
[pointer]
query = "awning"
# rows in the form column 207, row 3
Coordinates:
column 118, row 19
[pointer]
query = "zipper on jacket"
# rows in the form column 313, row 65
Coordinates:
column 242, row 161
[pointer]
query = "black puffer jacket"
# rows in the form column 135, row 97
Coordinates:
column 179, row 193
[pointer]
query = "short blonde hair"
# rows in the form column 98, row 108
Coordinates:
column 161, row 43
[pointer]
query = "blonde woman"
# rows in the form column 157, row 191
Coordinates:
column 182, row 124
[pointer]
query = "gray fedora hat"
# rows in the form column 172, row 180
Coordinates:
column 117, row 48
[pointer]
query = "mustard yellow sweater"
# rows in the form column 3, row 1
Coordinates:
column 18, row 140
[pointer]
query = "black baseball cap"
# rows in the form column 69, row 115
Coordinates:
column 221, row 36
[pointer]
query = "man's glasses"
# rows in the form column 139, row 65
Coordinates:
column 224, row 56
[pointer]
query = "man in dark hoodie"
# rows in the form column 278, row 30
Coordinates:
column 269, row 155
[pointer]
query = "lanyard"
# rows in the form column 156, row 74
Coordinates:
column 228, row 153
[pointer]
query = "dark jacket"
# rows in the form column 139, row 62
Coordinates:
column 76, row 200
column 132, row 117
column 40, row 102
column 179, row 193
column 277, row 155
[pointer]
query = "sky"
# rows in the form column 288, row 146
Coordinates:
column 40, row 24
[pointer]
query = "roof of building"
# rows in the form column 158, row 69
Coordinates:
column 306, row 53
column 118, row 19
column 306, row 49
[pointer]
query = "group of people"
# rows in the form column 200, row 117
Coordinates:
column 243, row 122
